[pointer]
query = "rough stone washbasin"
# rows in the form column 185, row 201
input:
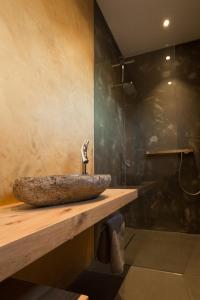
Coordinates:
column 59, row 189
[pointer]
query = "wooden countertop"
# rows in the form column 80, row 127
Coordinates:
column 27, row 233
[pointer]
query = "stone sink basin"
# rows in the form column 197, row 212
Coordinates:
column 59, row 189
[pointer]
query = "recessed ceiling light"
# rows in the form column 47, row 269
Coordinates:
column 166, row 23
column 168, row 57
column 169, row 83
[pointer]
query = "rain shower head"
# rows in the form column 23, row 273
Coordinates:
column 128, row 87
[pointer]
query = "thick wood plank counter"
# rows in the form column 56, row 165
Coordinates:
column 28, row 233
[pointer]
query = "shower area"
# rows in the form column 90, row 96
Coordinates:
column 163, row 138
column 147, row 135
column 146, row 119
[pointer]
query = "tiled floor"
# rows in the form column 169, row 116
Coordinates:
column 159, row 266
column 147, row 284
column 160, row 251
column 163, row 266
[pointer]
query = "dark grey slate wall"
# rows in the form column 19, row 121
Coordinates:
column 109, row 143
column 159, row 117
column 162, row 117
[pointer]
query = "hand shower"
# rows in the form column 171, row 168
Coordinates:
column 179, row 179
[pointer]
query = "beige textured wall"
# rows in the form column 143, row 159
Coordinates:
column 46, row 87
column 46, row 108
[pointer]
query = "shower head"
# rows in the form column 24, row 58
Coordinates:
column 128, row 87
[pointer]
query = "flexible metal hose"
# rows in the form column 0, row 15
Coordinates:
column 179, row 179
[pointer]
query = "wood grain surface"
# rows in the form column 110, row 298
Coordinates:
column 28, row 233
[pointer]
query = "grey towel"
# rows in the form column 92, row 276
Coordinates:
column 103, row 247
column 111, row 243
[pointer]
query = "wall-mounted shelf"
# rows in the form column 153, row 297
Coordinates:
column 28, row 233
column 167, row 152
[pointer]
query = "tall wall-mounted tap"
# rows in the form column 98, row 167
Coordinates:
column 84, row 156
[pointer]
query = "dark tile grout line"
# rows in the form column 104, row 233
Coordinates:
column 130, row 240
column 188, row 293
column 161, row 270
column 190, row 297
column 179, row 235
column 189, row 256
column 156, row 270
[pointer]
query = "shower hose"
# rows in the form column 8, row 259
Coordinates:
column 179, row 179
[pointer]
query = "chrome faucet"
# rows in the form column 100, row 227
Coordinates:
column 84, row 156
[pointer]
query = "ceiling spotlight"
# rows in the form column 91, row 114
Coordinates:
column 166, row 23
column 168, row 57
column 169, row 83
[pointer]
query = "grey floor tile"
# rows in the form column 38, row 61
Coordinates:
column 193, row 266
column 129, row 234
column 159, row 252
column 144, row 233
column 192, row 283
column 146, row 284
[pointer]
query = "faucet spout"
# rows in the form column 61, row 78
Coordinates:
column 84, row 156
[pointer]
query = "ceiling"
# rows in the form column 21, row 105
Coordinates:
column 137, row 24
